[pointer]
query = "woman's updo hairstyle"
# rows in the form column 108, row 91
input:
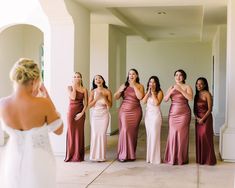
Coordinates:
column 24, row 70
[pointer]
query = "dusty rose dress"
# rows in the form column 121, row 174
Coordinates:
column 205, row 153
column 75, row 149
column 130, row 114
column 178, row 136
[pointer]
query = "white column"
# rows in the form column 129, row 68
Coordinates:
column 219, row 97
column 59, row 63
column 1, row 136
column 227, row 132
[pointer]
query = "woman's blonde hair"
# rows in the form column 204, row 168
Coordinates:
column 24, row 70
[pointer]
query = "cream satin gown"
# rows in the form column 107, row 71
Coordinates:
column 153, row 123
column 99, row 124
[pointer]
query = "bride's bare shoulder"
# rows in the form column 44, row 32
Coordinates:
column 5, row 100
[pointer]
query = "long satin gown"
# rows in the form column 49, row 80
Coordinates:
column 27, row 159
column 130, row 114
column 205, row 153
column 99, row 124
column 75, row 147
column 153, row 123
column 178, row 136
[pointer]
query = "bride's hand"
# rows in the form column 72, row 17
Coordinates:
column 43, row 90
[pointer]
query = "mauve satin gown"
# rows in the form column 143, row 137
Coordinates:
column 99, row 125
column 205, row 153
column 153, row 123
column 178, row 136
column 130, row 114
column 75, row 149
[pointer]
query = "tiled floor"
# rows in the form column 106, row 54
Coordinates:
column 139, row 174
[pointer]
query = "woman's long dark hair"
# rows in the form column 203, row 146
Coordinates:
column 156, row 80
column 183, row 74
column 127, row 79
column 196, row 97
column 95, row 86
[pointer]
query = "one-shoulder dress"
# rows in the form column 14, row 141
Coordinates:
column 205, row 153
column 176, row 152
column 130, row 114
column 75, row 146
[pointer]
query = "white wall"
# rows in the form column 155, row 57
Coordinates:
column 33, row 39
column 16, row 42
column 163, row 58
column 99, row 51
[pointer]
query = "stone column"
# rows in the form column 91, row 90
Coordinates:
column 219, row 97
column 227, row 132
column 1, row 136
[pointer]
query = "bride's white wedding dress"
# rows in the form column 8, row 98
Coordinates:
column 27, row 160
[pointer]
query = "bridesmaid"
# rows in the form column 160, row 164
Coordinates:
column 100, row 101
column 205, row 153
column 130, row 114
column 179, row 120
column 75, row 149
column 153, row 120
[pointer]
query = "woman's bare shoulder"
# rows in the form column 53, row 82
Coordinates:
column 5, row 101
column 139, row 85
column 41, row 102
column 84, row 89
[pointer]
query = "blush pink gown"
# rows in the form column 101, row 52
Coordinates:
column 75, row 149
column 205, row 153
column 99, row 124
column 178, row 136
column 153, row 123
column 130, row 114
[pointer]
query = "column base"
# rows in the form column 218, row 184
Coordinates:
column 227, row 138
column 218, row 122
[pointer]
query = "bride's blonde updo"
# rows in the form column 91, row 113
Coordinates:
column 24, row 70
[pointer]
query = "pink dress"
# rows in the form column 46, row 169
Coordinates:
column 130, row 114
column 99, row 124
column 75, row 149
column 205, row 153
column 178, row 136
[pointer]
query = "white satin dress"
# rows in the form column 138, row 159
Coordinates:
column 99, row 124
column 153, row 123
column 27, row 160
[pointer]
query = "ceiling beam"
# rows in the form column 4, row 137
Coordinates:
column 132, row 26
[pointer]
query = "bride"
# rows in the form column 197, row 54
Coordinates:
column 27, row 160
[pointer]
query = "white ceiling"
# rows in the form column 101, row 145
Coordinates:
column 163, row 20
